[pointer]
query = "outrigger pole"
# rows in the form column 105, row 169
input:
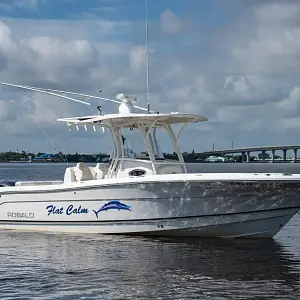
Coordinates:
column 53, row 92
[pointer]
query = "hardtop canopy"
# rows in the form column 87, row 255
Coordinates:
column 134, row 119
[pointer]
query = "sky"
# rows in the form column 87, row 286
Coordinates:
column 235, row 62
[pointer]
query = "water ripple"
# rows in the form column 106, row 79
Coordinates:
column 52, row 266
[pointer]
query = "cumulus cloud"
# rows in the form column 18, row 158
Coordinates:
column 5, row 37
column 277, row 13
column 240, row 76
column 290, row 105
column 19, row 4
column 137, row 56
column 271, row 45
column 170, row 23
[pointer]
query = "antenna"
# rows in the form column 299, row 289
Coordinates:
column 147, row 56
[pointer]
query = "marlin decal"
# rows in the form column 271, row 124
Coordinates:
column 113, row 204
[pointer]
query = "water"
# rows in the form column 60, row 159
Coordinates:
column 70, row 266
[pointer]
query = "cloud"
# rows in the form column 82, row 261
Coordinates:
column 137, row 56
column 271, row 45
column 270, row 51
column 276, row 12
column 25, row 3
column 61, row 59
column 242, row 75
column 20, row 4
column 170, row 23
column 290, row 105
column 6, row 43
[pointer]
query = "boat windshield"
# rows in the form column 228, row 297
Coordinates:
column 159, row 141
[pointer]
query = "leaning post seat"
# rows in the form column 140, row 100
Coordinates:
column 69, row 175
column 82, row 172
column 100, row 170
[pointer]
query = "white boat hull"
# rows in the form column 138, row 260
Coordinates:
column 177, row 207
column 264, row 225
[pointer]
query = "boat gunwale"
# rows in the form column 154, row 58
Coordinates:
column 216, row 178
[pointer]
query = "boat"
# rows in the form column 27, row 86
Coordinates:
column 149, row 195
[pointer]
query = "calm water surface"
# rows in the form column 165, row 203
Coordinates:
column 65, row 266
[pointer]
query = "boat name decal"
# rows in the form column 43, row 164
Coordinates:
column 241, row 183
column 273, row 185
column 70, row 210
column 113, row 204
column 20, row 215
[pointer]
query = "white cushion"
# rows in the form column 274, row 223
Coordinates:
column 93, row 172
column 82, row 172
column 69, row 175
column 100, row 170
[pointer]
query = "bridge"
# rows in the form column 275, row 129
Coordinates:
column 263, row 149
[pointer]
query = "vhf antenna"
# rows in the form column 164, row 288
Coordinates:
column 147, row 57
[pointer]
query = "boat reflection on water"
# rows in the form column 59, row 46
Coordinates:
column 216, row 267
column 227, row 259
column 119, row 267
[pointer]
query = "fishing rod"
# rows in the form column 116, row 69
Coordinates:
column 44, row 91
column 54, row 92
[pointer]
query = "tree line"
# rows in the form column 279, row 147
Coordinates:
column 98, row 157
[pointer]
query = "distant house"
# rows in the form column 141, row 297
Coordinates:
column 44, row 157
column 213, row 158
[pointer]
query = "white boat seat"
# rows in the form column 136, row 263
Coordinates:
column 93, row 172
column 100, row 170
column 69, row 175
column 82, row 172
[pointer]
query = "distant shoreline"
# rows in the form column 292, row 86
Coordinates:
column 192, row 157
